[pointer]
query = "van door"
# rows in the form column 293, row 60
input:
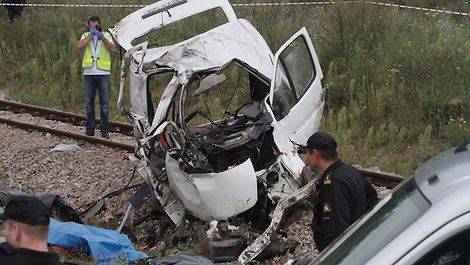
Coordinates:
column 296, row 92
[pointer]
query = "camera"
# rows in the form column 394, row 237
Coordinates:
column 98, row 28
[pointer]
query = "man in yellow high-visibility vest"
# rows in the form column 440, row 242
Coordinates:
column 96, row 66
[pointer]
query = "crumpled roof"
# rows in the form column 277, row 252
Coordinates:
column 213, row 49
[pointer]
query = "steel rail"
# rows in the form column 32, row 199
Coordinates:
column 62, row 116
column 381, row 179
column 90, row 139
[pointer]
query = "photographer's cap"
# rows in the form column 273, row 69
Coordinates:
column 321, row 141
column 26, row 209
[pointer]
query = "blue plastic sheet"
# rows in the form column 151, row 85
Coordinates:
column 105, row 245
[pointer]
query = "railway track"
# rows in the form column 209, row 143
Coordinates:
column 80, row 137
column 377, row 178
column 75, row 119
column 381, row 179
column 66, row 117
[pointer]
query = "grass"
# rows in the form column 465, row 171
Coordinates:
column 396, row 79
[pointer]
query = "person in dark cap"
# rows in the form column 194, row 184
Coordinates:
column 342, row 194
column 26, row 223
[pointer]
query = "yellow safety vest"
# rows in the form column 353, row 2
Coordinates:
column 103, row 62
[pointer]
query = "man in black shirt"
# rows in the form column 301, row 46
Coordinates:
column 14, row 12
column 26, row 222
column 342, row 194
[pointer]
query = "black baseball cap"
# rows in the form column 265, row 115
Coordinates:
column 321, row 141
column 26, row 209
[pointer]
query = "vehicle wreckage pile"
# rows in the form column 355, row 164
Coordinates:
column 222, row 141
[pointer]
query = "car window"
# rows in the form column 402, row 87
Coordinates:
column 453, row 251
column 156, row 85
column 299, row 63
column 294, row 73
column 194, row 25
column 404, row 206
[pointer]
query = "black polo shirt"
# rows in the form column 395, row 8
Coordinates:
column 342, row 196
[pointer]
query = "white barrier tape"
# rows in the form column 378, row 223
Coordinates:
column 70, row 5
column 422, row 9
column 253, row 5
column 288, row 4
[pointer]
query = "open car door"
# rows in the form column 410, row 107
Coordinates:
column 296, row 92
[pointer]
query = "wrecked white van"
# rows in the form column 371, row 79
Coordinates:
column 221, row 138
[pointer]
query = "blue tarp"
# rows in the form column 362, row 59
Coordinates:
column 105, row 245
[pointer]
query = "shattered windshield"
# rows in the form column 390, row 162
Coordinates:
column 222, row 117
column 216, row 99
